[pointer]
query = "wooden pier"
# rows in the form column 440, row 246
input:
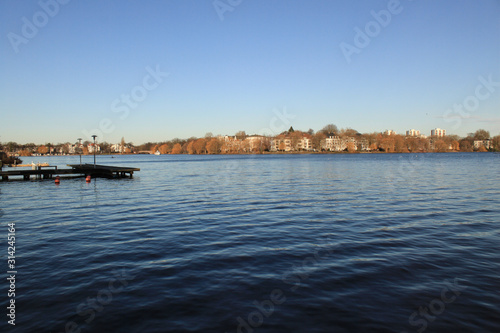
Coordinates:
column 48, row 172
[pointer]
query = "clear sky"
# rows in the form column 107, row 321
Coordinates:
column 156, row 70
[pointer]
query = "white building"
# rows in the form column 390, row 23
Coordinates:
column 75, row 148
column 482, row 143
column 363, row 145
column 292, row 142
column 412, row 132
column 336, row 143
column 333, row 143
column 305, row 143
column 72, row 148
column 389, row 132
column 438, row 132
column 90, row 148
column 281, row 143
column 117, row 148
column 256, row 142
column 226, row 138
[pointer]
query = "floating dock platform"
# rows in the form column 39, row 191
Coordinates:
column 83, row 170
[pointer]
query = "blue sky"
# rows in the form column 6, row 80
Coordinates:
column 238, row 65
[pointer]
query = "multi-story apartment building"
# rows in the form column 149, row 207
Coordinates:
column 117, row 148
column 75, row 148
column 412, row 132
column 292, row 142
column 257, row 142
column 438, row 132
column 363, row 145
column 305, row 143
column 333, row 143
column 281, row 143
column 337, row 143
column 482, row 143
column 90, row 148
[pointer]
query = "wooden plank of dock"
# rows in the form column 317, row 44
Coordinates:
column 76, row 169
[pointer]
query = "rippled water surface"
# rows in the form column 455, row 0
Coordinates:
column 267, row 243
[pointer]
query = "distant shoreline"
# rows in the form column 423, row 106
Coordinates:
column 273, row 153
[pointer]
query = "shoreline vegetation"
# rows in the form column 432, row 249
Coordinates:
column 329, row 140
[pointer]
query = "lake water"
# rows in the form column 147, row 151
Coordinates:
column 263, row 243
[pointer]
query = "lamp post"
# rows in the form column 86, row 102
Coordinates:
column 80, row 150
column 94, row 136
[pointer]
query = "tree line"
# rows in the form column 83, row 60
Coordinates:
column 376, row 142
column 241, row 143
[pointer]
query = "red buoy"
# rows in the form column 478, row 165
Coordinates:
column 58, row 180
column 87, row 179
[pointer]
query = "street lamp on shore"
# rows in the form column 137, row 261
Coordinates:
column 94, row 136
column 80, row 149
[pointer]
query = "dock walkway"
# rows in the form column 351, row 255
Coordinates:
column 48, row 172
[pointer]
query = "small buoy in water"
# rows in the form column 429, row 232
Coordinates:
column 87, row 179
column 58, row 180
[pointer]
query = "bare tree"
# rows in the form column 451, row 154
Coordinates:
column 241, row 135
column 330, row 129
column 481, row 134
